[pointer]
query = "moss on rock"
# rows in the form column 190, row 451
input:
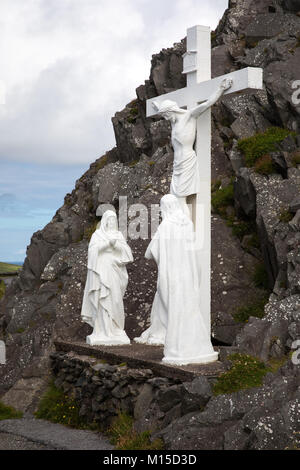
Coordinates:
column 222, row 197
column 262, row 143
column 245, row 372
column 254, row 309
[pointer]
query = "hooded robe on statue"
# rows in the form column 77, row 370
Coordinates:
column 106, row 283
column 176, row 320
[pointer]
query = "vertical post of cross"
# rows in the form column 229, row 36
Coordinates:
column 197, row 67
column 2, row 92
column 2, row 353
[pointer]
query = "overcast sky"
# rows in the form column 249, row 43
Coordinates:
column 68, row 66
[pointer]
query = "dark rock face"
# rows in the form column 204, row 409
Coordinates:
column 44, row 302
column 256, row 419
column 272, row 335
column 291, row 5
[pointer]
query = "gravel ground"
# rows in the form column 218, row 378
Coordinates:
column 37, row 434
column 13, row 442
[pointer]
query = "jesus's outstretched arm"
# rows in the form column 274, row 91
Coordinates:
column 225, row 85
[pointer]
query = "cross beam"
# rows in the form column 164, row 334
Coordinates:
column 245, row 80
column 197, row 67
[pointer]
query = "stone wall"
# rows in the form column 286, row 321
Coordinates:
column 103, row 390
column 186, row 415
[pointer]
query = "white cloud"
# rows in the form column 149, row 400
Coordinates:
column 69, row 65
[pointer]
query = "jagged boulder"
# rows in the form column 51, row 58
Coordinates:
column 270, row 336
column 257, row 419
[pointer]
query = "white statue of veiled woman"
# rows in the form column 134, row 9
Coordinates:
column 106, row 283
column 176, row 320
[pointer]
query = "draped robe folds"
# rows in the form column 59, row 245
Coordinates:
column 107, row 279
column 185, row 178
column 176, row 319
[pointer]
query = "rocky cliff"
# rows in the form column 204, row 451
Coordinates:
column 255, row 220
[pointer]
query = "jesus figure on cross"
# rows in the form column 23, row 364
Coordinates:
column 185, row 180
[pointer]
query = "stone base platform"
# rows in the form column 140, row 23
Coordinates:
column 140, row 356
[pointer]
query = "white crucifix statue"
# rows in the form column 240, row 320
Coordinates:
column 189, row 111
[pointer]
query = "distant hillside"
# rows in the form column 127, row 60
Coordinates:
column 7, row 268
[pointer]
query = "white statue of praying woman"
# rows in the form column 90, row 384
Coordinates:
column 107, row 279
column 185, row 179
column 176, row 320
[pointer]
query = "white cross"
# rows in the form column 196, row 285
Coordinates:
column 197, row 67
column 2, row 93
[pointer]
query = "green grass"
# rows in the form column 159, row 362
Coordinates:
column 88, row 232
column 296, row 158
column 57, row 407
column 264, row 165
column 276, row 363
column 262, row 143
column 245, row 372
column 133, row 163
column 20, row 330
column 222, row 198
column 253, row 309
column 285, row 216
column 123, row 436
column 133, row 114
column 2, row 288
column 213, row 35
column 102, row 163
column 9, row 268
column 215, row 185
column 253, row 242
column 240, row 228
column 260, row 277
column 8, row 412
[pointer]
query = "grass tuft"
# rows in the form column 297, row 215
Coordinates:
column 102, row 163
column 57, row 407
column 253, row 309
column 246, row 372
column 222, row 198
column 253, row 241
column 2, row 288
column 264, row 165
column 240, row 228
column 260, row 277
column 8, row 412
column 285, row 216
column 88, row 232
column 124, row 437
column 133, row 163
